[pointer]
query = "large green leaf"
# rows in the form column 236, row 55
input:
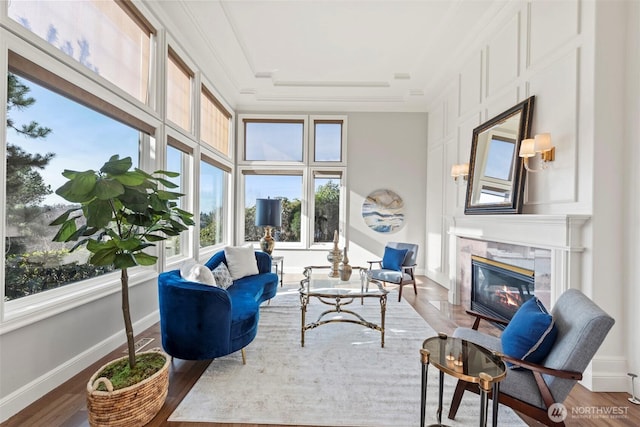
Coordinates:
column 117, row 166
column 67, row 230
column 167, row 183
column 66, row 192
column 168, row 195
column 99, row 213
column 122, row 261
column 107, row 188
column 62, row 218
column 84, row 183
column 154, row 237
column 134, row 200
column 131, row 179
column 96, row 245
column 103, row 257
column 128, row 244
column 167, row 173
column 145, row 259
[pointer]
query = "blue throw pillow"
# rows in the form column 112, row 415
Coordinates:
column 530, row 334
column 393, row 258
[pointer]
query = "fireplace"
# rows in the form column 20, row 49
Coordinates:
column 499, row 289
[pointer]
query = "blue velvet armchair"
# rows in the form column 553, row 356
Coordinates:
column 201, row 322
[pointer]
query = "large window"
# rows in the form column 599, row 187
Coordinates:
column 300, row 160
column 213, row 184
column 46, row 134
column 110, row 38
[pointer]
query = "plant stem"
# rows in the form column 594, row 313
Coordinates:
column 124, row 280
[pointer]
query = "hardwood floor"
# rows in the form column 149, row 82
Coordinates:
column 65, row 406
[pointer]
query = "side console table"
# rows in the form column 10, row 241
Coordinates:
column 466, row 361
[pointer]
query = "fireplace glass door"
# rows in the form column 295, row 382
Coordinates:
column 499, row 289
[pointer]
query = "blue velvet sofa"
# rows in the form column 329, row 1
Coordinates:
column 200, row 322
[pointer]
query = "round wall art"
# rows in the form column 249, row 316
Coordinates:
column 383, row 211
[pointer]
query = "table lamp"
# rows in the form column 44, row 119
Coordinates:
column 268, row 214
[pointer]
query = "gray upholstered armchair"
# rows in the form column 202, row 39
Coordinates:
column 582, row 327
column 396, row 266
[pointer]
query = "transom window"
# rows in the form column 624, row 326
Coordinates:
column 273, row 140
column 179, row 82
column 215, row 122
column 110, row 38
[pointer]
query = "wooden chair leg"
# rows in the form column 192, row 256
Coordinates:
column 244, row 357
column 457, row 398
column 415, row 288
column 400, row 293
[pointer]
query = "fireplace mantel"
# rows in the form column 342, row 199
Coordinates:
column 561, row 234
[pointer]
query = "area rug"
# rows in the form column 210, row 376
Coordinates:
column 341, row 377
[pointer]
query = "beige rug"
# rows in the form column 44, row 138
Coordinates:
column 340, row 378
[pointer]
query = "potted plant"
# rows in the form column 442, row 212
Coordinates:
column 121, row 213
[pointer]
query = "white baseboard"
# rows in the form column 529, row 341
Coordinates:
column 607, row 374
column 29, row 393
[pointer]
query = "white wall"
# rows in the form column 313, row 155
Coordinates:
column 631, row 177
column 572, row 56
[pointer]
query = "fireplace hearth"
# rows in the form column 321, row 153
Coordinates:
column 499, row 289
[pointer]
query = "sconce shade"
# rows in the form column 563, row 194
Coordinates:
column 455, row 171
column 527, row 148
column 268, row 212
column 464, row 169
column 542, row 142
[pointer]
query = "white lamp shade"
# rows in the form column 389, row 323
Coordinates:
column 542, row 142
column 464, row 169
column 527, row 148
column 454, row 171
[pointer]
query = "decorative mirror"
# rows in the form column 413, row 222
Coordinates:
column 496, row 175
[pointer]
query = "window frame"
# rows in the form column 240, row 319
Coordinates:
column 312, row 139
column 73, row 85
column 307, row 168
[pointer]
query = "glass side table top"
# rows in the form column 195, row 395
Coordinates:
column 317, row 282
column 463, row 359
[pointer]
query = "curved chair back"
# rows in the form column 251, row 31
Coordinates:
column 582, row 327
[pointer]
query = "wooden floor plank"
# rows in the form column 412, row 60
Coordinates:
column 66, row 405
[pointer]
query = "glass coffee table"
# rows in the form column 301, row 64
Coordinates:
column 466, row 361
column 339, row 294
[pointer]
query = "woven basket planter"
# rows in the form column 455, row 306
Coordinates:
column 132, row 406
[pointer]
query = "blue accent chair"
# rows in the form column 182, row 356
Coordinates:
column 405, row 275
column 201, row 322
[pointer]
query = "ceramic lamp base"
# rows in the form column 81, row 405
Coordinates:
column 267, row 243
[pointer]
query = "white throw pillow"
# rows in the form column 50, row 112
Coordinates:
column 194, row 272
column 241, row 261
column 223, row 278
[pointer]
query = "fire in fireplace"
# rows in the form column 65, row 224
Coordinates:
column 499, row 289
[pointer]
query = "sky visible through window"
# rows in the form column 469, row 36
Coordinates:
column 80, row 138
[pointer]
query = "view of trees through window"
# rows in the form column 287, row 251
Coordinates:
column 46, row 134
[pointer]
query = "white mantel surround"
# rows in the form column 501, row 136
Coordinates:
column 561, row 234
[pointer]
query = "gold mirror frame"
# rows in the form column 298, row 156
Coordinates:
column 496, row 174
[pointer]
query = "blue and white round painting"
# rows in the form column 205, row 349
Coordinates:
column 383, row 211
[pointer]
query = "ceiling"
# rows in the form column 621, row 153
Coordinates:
column 386, row 55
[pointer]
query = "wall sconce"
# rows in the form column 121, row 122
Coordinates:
column 541, row 143
column 460, row 171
